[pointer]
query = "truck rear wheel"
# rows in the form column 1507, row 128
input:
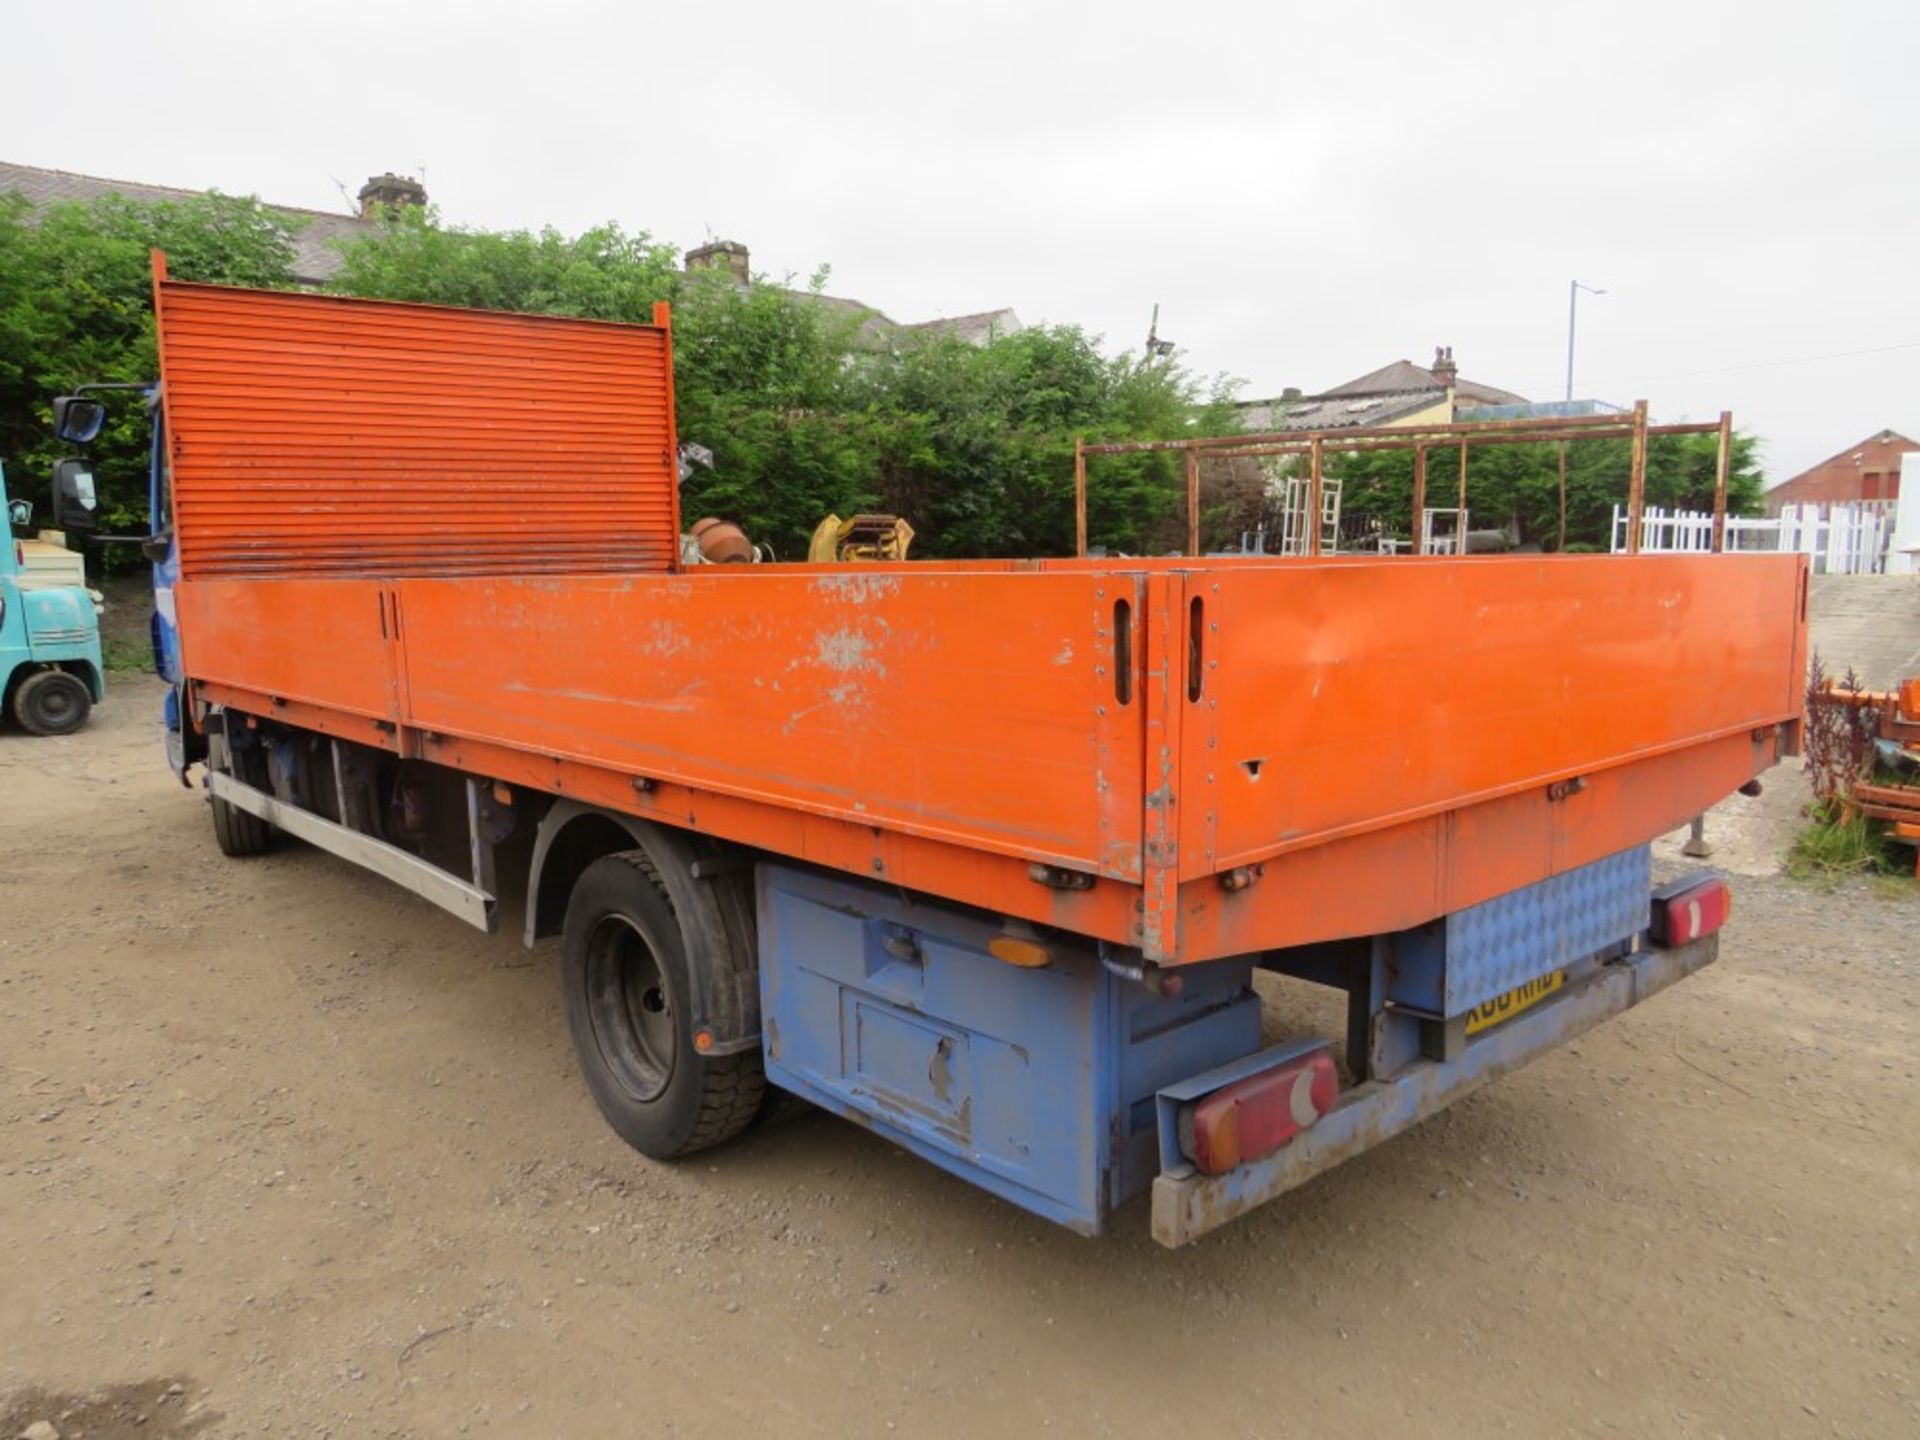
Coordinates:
column 52, row 702
column 626, row 969
column 239, row 833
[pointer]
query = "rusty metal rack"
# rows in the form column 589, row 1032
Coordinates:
column 1898, row 721
column 1313, row 445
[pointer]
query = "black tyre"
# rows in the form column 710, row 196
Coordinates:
column 625, row 967
column 52, row 702
column 239, row 833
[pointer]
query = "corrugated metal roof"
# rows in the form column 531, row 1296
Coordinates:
column 318, row 435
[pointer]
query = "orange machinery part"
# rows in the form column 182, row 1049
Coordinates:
column 1196, row 757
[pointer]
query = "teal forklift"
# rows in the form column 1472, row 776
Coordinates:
column 51, row 673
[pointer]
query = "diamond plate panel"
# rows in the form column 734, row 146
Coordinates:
column 1492, row 947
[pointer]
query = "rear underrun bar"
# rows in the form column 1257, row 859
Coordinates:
column 1188, row 1204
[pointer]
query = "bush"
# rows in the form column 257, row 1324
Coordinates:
column 809, row 412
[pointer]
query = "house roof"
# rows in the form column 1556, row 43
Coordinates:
column 872, row 330
column 314, row 259
column 1403, row 375
column 1377, row 398
column 1320, row 412
column 1853, row 453
column 975, row 329
column 877, row 331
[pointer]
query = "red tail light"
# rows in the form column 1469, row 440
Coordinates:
column 1693, row 911
column 1256, row 1116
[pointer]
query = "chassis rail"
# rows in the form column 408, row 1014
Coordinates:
column 471, row 903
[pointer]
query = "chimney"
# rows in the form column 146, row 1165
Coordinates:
column 728, row 255
column 1292, row 392
column 1444, row 370
column 384, row 193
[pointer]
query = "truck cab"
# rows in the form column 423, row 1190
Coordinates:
column 51, row 674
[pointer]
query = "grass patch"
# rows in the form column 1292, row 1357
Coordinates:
column 123, row 654
column 1832, row 848
column 1901, row 886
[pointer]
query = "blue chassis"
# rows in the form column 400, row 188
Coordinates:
column 1059, row 1089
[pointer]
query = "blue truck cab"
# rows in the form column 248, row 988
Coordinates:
column 51, row 674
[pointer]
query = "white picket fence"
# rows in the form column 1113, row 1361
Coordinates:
column 1842, row 539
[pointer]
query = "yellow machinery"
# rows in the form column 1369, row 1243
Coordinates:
column 862, row 537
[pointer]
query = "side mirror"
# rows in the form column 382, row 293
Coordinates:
column 77, row 419
column 76, row 506
column 20, row 513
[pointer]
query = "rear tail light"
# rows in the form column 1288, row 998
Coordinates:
column 1689, row 911
column 1256, row 1116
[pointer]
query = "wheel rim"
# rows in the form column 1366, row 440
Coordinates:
column 55, row 706
column 631, row 1008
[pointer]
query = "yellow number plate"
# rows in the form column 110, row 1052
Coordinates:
column 1505, row 1007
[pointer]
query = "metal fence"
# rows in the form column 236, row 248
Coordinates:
column 1842, row 539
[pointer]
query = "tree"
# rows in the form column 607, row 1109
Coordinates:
column 601, row 274
column 1518, row 486
column 972, row 444
column 762, row 374
column 979, row 447
column 76, row 305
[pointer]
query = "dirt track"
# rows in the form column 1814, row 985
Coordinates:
column 316, row 1154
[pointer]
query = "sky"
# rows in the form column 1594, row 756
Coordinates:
column 1307, row 192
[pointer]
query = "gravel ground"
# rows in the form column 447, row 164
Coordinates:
column 285, row 1151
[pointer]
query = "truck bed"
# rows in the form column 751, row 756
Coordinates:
column 1370, row 744
column 452, row 535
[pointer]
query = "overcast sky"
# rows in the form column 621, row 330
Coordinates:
column 1307, row 191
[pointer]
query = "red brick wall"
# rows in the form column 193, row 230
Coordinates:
column 1867, row 471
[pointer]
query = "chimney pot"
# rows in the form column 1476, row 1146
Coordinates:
column 728, row 255
column 383, row 193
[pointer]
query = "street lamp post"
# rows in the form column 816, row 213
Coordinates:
column 1574, row 287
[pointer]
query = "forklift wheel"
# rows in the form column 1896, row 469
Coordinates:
column 51, row 702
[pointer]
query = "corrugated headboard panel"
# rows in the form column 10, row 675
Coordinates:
column 321, row 435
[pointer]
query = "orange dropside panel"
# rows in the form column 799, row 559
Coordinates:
column 317, row 435
column 323, row 642
column 978, row 708
column 1345, row 698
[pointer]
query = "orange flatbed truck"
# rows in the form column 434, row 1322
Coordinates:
column 981, row 855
